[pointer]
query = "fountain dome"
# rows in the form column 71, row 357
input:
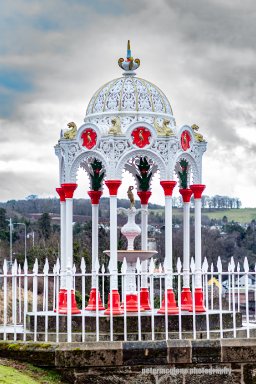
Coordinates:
column 130, row 99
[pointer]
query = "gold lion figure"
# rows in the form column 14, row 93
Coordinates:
column 116, row 127
column 198, row 136
column 71, row 133
column 163, row 130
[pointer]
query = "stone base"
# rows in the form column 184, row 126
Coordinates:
column 231, row 361
column 89, row 319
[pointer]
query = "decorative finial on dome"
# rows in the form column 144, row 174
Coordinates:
column 129, row 65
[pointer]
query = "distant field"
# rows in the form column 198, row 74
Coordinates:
column 242, row 215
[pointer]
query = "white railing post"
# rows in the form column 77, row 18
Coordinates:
column 152, row 296
column 103, row 284
column 14, row 297
column 232, row 268
column 19, row 288
column 246, row 270
column 160, row 271
column 5, row 309
column 25, row 299
column 238, row 287
column 56, row 292
column 83, row 270
column 192, row 268
column 212, row 286
column 46, row 285
column 229, row 287
column 179, row 266
column 98, row 302
column 254, row 292
column 35, row 295
column 219, row 267
column 205, row 267
column 124, row 279
column 138, row 272
column 110, row 301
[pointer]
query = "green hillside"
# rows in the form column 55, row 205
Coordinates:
column 13, row 372
column 242, row 215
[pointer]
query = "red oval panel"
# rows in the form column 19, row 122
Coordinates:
column 141, row 136
column 185, row 140
column 89, row 137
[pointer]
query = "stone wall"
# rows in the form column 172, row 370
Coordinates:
column 172, row 361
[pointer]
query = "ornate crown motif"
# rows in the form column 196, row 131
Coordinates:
column 129, row 64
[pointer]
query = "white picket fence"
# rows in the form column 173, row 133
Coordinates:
column 29, row 304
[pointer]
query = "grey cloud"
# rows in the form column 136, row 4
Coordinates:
column 19, row 185
column 200, row 53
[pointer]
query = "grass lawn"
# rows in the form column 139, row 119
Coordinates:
column 12, row 372
column 9, row 375
column 242, row 215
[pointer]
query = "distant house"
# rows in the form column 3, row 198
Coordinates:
column 239, row 289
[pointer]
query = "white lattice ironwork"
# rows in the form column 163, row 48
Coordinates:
column 113, row 114
column 115, row 150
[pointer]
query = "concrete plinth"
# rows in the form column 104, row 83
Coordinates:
column 132, row 322
column 143, row 362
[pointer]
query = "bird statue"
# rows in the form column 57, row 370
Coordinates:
column 141, row 137
column 131, row 196
column 89, row 137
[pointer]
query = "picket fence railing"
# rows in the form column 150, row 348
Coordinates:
column 29, row 307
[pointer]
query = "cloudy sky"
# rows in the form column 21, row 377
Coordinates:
column 54, row 54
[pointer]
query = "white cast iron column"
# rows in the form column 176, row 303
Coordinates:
column 69, row 189
column 61, row 193
column 144, row 292
column 171, row 306
column 92, row 304
column 144, row 242
column 198, row 189
column 186, row 298
column 114, row 297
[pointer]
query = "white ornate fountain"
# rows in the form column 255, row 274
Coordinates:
column 130, row 256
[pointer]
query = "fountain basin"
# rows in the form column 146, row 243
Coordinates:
column 132, row 256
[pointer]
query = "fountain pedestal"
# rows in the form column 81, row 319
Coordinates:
column 130, row 256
